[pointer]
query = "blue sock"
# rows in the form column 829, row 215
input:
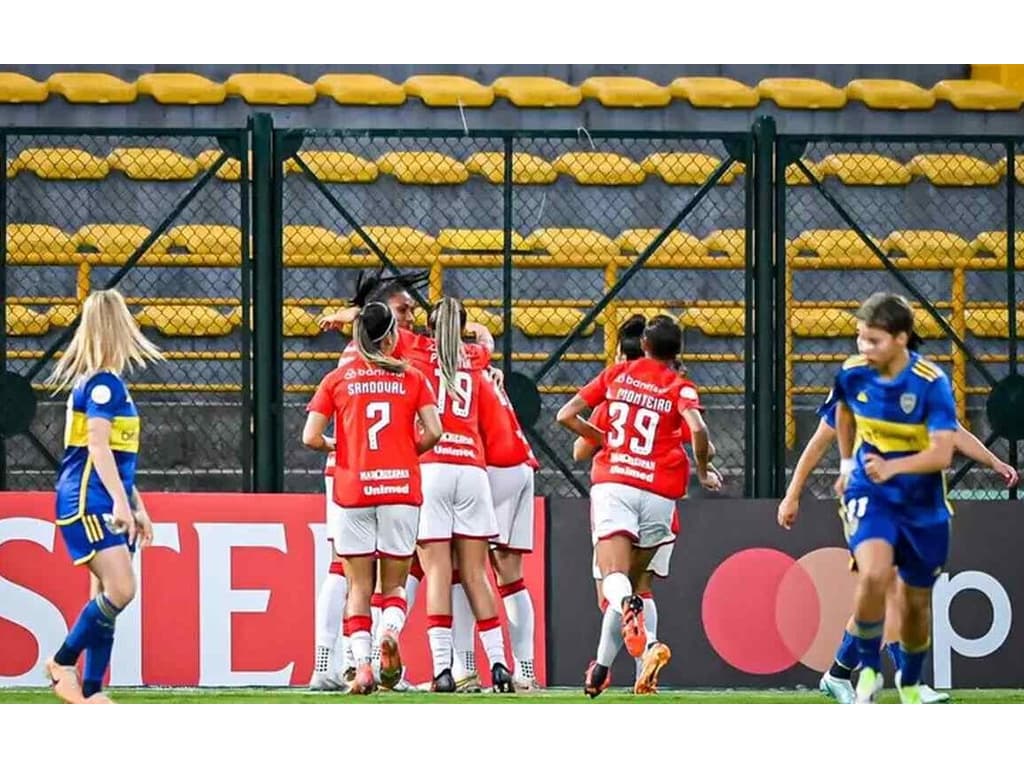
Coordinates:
column 869, row 643
column 913, row 662
column 97, row 659
column 90, row 629
column 847, row 657
column 895, row 655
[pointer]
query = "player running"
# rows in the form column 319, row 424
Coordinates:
column 637, row 477
column 99, row 511
column 376, row 401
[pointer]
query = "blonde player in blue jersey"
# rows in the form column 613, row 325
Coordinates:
column 896, row 424
column 99, row 512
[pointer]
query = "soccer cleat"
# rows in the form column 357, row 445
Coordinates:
column 443, row 683
column 928, row 694
column 350, row 675
column 390, row 660
column 597, row 679
column 910, row 694
column 403, row 686
column 326, row 681
column 364, row 683
column 65, row 682
column 869, row 685
column 634, row 633
column 837, row 688
column 468, row 684
column 526, row 684
column 501, row 679
column 654, row 660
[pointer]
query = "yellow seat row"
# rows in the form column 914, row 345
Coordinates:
column 316, row 246
column 526, row 91
column 588, row 168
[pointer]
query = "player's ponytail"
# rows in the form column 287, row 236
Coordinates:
column 374, row 325
column 449, row 319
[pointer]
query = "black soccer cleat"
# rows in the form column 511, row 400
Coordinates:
column 443, row 683
column 597, row 679
column 501, row 679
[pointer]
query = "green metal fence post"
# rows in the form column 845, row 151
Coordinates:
column 506, row 272
column 781, row 298
column 3, row 291
column 764, row 319
column 268, row 436
column 1011, row 278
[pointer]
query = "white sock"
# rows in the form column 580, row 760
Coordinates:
column 360, row 642
column 492, row 641
column 375, row 618
column 616, row 587
column 462, row 634
column 611, row 638
column 651, row 619
column 330, row 605
column 440, row 639
column 392, row 619
column 519, row 609
column 411, row 585
column 350, row 659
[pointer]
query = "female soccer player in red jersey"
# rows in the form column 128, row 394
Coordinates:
column 387, row 416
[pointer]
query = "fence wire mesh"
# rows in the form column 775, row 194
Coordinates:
column 78, row 207
column 938, row 211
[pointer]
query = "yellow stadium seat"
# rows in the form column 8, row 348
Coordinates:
column 270, row 88
column 801, row 93
column 313, row 246
column 16, row 88
column 423, row 168
column 449, row 91
column 890, row 94
column 729, row 243
column 62, row 315
column 185, row 320
column 22, row 321
column 626, row 92
column 688, row 167
column 402, row 245
column 491, row 320
column 1010, row 75
column 537, row 92
column 335, row 167
column 600, row 168
column 830, row 248
column 121, row 239
column 555, row 322
column 91, row 88
column 570, row 243
column 720, row 92
column 622, row 313
column 977, row 95
column 492, row 240
column 954, row 170
column 1019, row 171
column 371, row 90
column 993, row 322
column 299, row 322
column 32, row 239
column 926, row 326
column 994, row 245
column 181, row 88
column 715, row 321
column 822, row 323
column 795, row 175
column 60, row 163
column 153, row 164
column 864, row 169
column 679, row 248
column 230, row 171
column 202, row 238
column 927, row 247
column 526, row 168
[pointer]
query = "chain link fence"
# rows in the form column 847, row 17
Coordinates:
column 142, row 213
column 926, row 219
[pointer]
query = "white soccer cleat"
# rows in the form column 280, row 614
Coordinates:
column 837, row 688
column 927, row 694
column 869, row 685
column 325, row 681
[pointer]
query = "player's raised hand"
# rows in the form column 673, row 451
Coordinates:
column 877, row 469
column 789, row 508
column 1008, row 473
column 337, row 320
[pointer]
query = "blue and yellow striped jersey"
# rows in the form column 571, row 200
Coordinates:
column 79, row 489
column 894, row 418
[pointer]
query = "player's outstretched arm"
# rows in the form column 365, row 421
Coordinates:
column 569, row 417
column 337, row 320
column 970, row 446
column 313, row 433
column 846, row 434
column 809, row 459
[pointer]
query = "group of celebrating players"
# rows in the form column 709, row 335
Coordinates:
column 429, row 477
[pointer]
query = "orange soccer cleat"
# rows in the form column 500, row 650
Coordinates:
column 657, row 656
column 65, row 682
column 634, row 633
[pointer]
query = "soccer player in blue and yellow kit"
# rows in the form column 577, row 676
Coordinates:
column 96, row 484
column 896, row 423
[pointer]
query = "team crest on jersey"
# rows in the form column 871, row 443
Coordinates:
column 907, row 401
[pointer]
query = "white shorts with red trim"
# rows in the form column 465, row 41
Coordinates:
column 645, row 517
column 659, row 565
column 456, row 503
column 512, row 492
column 387, row 530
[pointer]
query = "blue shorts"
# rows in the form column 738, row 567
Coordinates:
column 919, row 551
column 85, row 535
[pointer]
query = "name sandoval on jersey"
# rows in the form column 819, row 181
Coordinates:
column 376, row 388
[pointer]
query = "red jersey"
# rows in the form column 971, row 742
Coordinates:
column 643, row 444
column 375, row 415
column 505, row 445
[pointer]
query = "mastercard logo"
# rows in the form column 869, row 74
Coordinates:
column 764, row 611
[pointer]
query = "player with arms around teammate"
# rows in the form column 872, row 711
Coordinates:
column 896, row 425
column 638, row 475
column 376, row 401
column 96, row 484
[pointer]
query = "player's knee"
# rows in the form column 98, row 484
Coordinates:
column 120, row 590
column 875, row 581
